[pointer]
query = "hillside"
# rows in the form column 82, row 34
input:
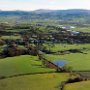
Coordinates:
column 72, row 15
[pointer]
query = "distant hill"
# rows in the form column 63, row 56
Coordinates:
column 75, row 15
column 39, row 11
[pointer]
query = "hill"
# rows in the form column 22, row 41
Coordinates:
column 72, row 15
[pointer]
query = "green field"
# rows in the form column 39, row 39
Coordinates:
column 58, row 47
column 29, row 33
column 82, row 29
column 17, row 30
column 27, row 64
column 85, row 85
column 34, row 82
column 21, row 65
column 11, row 37
column 31, row 64
column 77, row 61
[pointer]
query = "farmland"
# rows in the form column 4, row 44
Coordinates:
column 77, row 86
column 20, row 49
column 82, row 29
column 27, row 64
column 34, row 82
column 21, row 65
column 74, row 60
column 58, row 47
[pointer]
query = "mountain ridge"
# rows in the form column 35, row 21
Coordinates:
column 66, row 15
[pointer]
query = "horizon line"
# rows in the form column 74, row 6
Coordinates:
column 43, row 9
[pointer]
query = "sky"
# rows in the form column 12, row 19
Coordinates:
column 28, row 5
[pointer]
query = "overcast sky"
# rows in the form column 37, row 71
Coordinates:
column 43, row 4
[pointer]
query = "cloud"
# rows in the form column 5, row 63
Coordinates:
column 43, row 4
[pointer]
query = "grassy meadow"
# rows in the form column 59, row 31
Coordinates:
column 34, row 82
column 58, row 47
column 77, row 61
column 85, row 85
column 11, row 37
column 21, row 65
column 82, row 29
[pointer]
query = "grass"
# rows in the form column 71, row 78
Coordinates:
column 85, row 85
column 58, row 47
column 18, row 30
column 21, row 65
column 30, row 64
column 82, row 29
column 78, row 61
column 11, row 37
column 34, row 82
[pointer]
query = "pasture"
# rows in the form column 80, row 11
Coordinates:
column 85, row 85
column 59, row 46
column 21, row 65
column 82, row 29
column 77, row 61
column 31, row 65
column 11, row 37
column 34, row 82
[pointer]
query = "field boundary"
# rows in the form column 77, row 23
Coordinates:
column 5, row 77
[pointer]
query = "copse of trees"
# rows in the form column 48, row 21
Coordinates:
column 13, row 50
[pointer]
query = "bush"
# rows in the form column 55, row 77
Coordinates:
column 2, row 42
column 2, row 77
column 76, row 79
